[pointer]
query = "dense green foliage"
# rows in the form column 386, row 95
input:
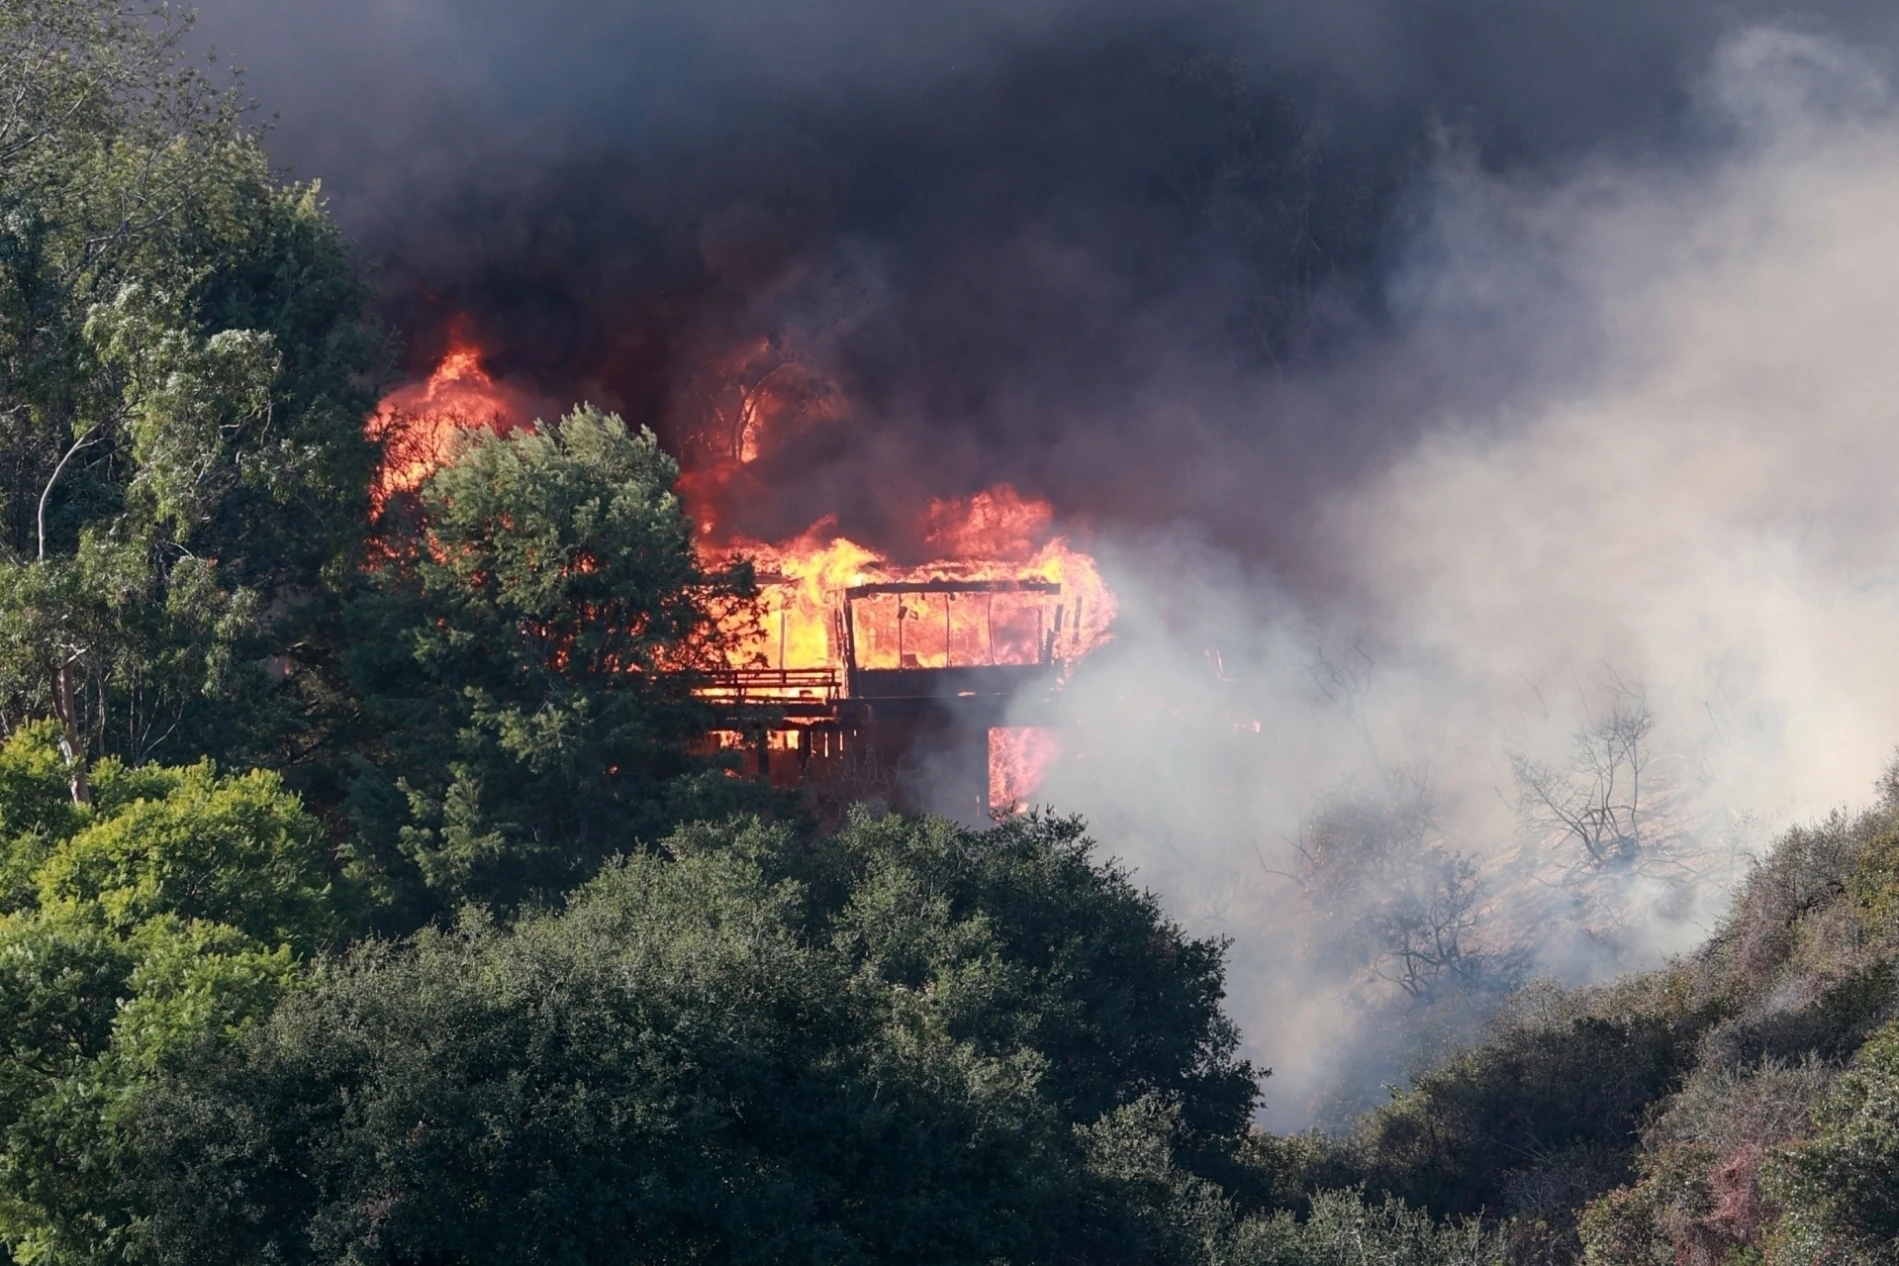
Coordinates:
column 705, row 1058
column 526, row 653
column 1840, row 1187
column 903, row 1041
column 167, row 914
column 708, row 1060
column 185, row 362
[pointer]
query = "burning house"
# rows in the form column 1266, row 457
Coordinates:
column 930, row 685
column 924, row 680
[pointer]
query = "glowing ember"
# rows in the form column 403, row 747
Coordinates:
column 1020, row 757
column 417, row 424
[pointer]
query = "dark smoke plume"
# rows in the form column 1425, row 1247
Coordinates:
column 1102, row 251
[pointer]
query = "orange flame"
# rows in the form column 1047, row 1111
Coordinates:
column 801, row 582
column 1044, row 602
column 416, row 424
column 999, row 523
column 737, row 407
column 1020, row 757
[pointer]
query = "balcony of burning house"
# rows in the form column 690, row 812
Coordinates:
column 919, row 672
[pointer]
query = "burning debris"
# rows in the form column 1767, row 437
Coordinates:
column 858, row 667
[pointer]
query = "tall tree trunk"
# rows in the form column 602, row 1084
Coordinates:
column 72, row 743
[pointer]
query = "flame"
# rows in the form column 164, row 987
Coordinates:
column 760, row 396
column 802, row 582
column 416, row 424
column 999, row 523
column 1020, row 757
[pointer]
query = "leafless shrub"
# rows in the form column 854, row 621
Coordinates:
column 1422, row 925
column 1344, row 683
column 1616, row 830
column 1595, row 802
column 1390, row 895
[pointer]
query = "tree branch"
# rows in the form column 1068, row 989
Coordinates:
column 86, row 437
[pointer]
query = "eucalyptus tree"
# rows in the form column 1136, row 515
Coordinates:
column 186, row 361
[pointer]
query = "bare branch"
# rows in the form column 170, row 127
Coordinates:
column 86, row 437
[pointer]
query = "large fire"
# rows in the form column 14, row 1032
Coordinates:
column 1058, row 621
column 1020, row 757
column 1006, row 591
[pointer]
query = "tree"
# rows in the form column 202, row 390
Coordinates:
column 1389, row 895
column 234, row 850
column 528, row 650
column 167, row 913
column 1616, row 829
column 1023, row 940
column 185, row 363
column 913, row 1043
column 1596, row 804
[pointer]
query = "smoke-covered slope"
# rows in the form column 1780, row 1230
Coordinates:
column 1733, row 1106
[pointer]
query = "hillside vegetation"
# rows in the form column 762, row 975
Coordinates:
column 1736, row 1106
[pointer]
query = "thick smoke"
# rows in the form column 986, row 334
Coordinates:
column 1037, row 242
column 1439, row 380
column 1691, row 549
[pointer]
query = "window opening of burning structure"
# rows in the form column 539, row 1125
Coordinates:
column 941, row 624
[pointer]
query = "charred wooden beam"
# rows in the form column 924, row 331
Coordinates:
column 953, row 586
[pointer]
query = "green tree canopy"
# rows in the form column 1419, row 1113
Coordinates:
column 1023, row 940
column 751, row 1049
column 528, row 652
column 186, row 361
column 167, row 913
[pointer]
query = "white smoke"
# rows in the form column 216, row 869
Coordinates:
column 1692, row 505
